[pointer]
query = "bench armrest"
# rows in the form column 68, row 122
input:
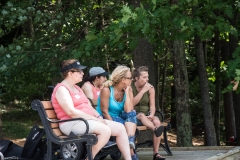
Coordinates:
column 160, row 115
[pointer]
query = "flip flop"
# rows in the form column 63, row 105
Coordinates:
column 156, row 157
column 158, row 131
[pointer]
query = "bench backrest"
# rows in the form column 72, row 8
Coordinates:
column 50, row 114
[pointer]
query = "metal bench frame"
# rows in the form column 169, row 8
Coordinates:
column 53, row 133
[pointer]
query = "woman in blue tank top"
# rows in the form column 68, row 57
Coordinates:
column 116, row 102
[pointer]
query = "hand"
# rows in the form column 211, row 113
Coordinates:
column 128, row 89
column 150, row 117
column 102, row 120
column 146, row 87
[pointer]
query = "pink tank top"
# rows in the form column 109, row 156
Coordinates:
column 95, row 91
column 80, row 102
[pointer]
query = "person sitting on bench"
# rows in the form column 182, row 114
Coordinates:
column 144, row 102
column 94, row 82
column 69, row 101
column 116, row 102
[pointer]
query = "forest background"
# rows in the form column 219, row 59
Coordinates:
column 190, row 46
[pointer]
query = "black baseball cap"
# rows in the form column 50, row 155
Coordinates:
column 76, row 65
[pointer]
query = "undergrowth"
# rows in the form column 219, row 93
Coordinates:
column 17, row 121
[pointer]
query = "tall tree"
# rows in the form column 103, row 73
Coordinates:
column 230, row 129
column 181, row 86
column 216, row 108
column 210, row 134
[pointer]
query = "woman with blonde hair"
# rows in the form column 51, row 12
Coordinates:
column 69, row 101
column 116, row 102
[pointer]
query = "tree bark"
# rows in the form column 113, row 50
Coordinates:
column 210, row 134
column 143, row 56
column 228, row 97
column 233, row 43
column 216, row 110
column 183, row 118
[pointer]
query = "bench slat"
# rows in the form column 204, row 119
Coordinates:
column 57, row 132
column 54, row 125
column 51, row 114
column 47, row 105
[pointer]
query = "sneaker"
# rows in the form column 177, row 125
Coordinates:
column 134, row 157
column 131, row 142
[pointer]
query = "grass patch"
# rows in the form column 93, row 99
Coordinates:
column 18, row 121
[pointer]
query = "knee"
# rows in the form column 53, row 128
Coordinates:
column 120, row 129
column 106, row 131
column 141, row 116
column 156, row 122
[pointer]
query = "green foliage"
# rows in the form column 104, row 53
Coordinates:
column 233, row 71
column 18, row 120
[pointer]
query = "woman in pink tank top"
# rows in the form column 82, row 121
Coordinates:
column 93, row 85
column 69, row 101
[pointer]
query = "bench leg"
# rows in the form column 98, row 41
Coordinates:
column 89, row 152
column 166, row 146
column 49, row 149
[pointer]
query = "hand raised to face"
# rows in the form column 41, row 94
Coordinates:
column 146, row 87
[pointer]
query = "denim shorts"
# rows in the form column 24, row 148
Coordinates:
column 126, row 117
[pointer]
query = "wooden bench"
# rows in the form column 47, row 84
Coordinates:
column 53, row 133
column 167, row 127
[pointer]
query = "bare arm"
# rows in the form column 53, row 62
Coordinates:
column 104, row 97
column 96, row 114
column 87, row 89
column 152, row 108
column 65, row 101
column 128, row 105
column 140, row 94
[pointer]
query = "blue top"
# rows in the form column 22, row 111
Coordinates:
column 114, row 108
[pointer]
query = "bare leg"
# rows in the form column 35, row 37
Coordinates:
column 131, row 128
column 156, row 140
column 103, row 133
column 119, row 131
column 145, row 121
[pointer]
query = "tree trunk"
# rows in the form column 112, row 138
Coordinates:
column 216, row 110
column 210, row 134
column 228, row 98
column 1, row 131
column 233, row 43
column 143, row 56
column 183, row 118
column 161, row 88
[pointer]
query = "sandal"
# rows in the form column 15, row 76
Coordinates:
column 158, row 131
column 157, row 156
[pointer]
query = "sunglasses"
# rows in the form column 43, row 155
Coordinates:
column 128, row 78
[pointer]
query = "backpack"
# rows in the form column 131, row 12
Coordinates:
column 9, row 149
column 31, row 146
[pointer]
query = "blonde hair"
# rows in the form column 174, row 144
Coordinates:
column 117, row 75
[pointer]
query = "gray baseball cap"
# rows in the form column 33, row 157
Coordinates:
column 94, row 71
